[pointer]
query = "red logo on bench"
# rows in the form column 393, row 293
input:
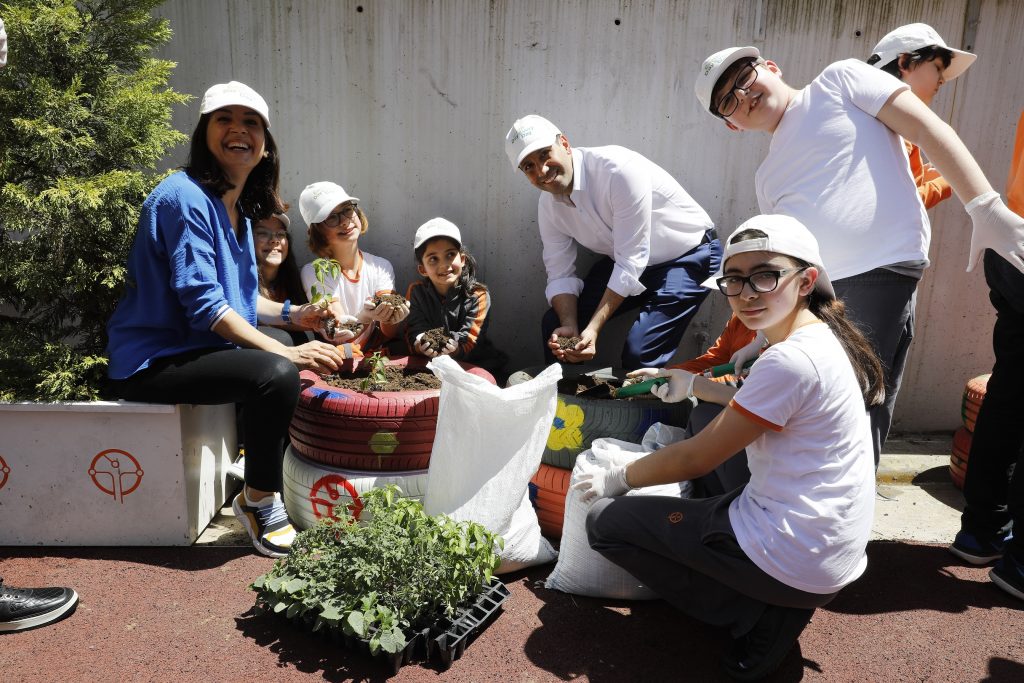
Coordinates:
column 116, row 473
column 325, row 493
column 4, row 471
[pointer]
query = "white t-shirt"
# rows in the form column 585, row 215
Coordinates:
column 376, row 276
column 623, row 206
column 805, row 516
column 844, row 174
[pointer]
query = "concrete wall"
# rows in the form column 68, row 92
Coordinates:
column 405, row 103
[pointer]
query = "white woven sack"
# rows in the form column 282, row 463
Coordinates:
column 487, row 446
column 582, row 570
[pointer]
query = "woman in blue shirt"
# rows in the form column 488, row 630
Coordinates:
column 185, row 328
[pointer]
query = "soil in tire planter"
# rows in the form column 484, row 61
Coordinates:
column 398, row 379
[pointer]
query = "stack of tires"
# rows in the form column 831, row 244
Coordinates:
column 974, row 396
column 346, row 442
column 578, row 421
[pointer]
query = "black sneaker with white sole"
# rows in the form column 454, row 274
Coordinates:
column 25, row 608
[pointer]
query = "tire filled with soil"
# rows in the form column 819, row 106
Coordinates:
column 338, row 424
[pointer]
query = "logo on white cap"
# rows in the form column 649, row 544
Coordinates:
column 527, row 135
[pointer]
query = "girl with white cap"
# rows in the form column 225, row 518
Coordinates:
column 336, row 222
column 917, row 55
column 185, row 331
column 761, row 558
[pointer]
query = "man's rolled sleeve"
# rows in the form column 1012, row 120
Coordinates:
column 565, row 285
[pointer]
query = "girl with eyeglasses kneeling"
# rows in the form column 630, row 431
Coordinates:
column 761, row 558
column 279, row 275
column 336, row 222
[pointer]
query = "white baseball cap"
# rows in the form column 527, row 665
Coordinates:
column 227, row 94
column 283, row 217
column 913, row 37
column 713, row 68
column 529, row 134
column 318, row 200
column 436, row 227
column 785, row 235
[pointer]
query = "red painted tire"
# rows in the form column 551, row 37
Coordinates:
column 379, row 431
column 313, row 491
column 958, row 458
column 549, row 486
column 974, row 396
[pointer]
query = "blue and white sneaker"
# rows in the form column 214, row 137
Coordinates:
column 237, row 468
column 978, row 549
column 267, row 523
column 1008, row 575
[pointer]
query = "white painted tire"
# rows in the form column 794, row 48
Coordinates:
column 312, row 490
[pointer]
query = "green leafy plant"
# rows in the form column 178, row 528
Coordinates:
column 389, row 572
column 85, row 117
column 322, row 267
column 377, row 365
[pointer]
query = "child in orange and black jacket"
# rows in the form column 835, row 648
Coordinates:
column 450, row 297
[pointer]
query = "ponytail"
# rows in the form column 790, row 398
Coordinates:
column 863, row 358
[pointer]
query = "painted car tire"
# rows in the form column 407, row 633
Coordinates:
column 578, row 421
column 974, row 396
column 548, row 489
column 312, row 491
column 958, row 458
column 380, row 431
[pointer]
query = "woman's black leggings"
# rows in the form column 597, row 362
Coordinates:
column 264, row 384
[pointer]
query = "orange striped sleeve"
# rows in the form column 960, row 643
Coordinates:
column 476, row 323
column 756, row 419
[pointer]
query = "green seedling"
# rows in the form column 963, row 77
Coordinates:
column 322, row 267
column 378, row 377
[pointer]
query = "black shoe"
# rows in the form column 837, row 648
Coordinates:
column 24, row 608
column 1008, row 574
column 979, row 548
column 761, row 651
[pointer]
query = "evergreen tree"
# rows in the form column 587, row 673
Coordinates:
column 85, row 114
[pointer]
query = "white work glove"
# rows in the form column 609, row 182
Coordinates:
column 679, row 386
column 423, row 347
column 603, row 484
column 751, row 350
column 996, row 228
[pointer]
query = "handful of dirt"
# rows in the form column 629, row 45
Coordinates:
column 332, row 327
column 568, row 343
column 436, row 339
column 395, row 300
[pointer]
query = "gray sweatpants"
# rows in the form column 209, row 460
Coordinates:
column 685, row 551
column 881, row 303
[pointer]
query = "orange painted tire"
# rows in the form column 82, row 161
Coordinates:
column 974, row 396
column 958, row 458
column 379, row 431
column 547, row 492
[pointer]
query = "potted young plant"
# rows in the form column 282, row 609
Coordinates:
column 395, row 582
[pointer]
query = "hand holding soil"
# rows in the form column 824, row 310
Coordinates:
column 575, row 349
column 388, row 309
column 435, row 342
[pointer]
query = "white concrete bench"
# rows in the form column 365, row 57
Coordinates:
column 112, row 472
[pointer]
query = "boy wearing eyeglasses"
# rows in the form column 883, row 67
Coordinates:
column 837, row 164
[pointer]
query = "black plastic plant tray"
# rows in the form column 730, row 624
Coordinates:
column 450, row 644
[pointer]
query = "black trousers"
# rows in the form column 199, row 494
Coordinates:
column 264, row 384
column 994, row 486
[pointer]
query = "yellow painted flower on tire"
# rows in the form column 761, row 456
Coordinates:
column 565, row 430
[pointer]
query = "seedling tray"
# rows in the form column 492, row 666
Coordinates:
column 445, row 640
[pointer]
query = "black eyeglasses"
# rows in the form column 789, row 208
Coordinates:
column 745, row 79
column 347, row 211
column 762, row 282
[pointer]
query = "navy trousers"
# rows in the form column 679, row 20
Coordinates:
column 672, row 297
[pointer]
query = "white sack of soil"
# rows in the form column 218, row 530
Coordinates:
column 488, row 444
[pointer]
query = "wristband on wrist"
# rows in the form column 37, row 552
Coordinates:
column 286, row 311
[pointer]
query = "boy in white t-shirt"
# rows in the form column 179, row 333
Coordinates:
column 836, row 163
column 761, row 558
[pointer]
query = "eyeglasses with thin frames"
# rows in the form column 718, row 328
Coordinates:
column 267, row 235
column 348, row 211
column 761, row 282
column 745, row 80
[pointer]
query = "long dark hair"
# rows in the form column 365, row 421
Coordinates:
column 288, row 280
column 863, row 358
column 259, row 195
column 467, row 278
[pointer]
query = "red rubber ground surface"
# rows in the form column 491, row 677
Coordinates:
column 183, row 614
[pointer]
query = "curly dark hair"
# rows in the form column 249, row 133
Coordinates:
column 259, row 196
